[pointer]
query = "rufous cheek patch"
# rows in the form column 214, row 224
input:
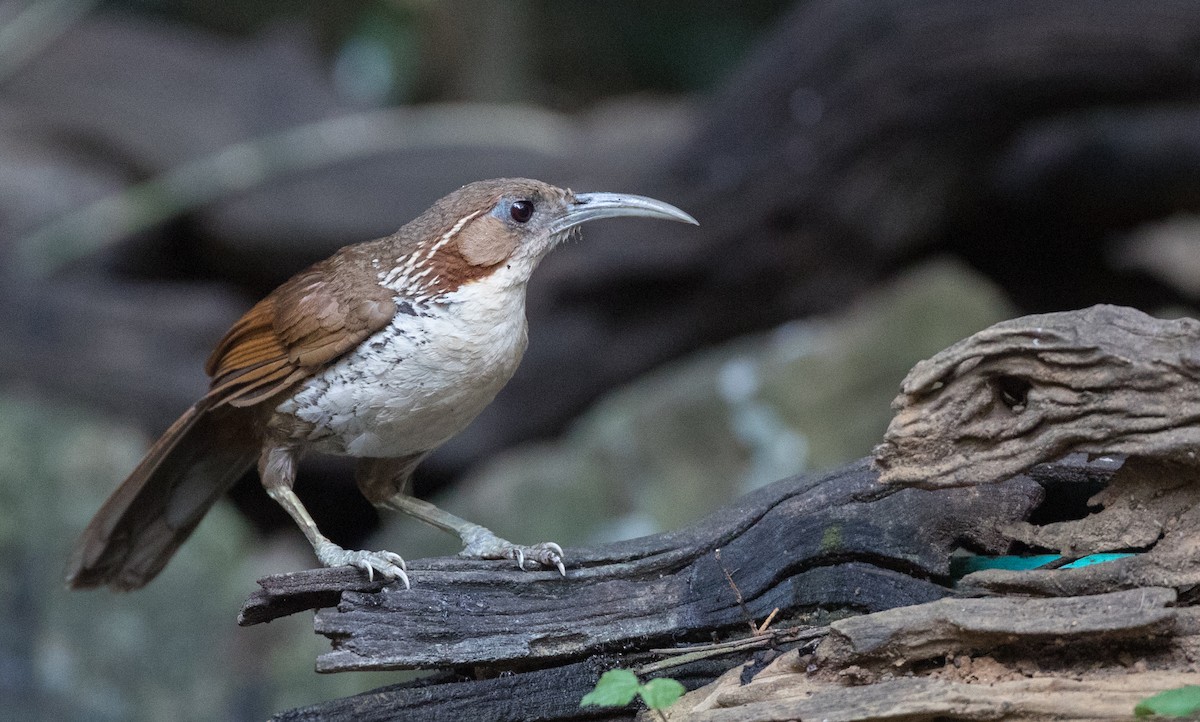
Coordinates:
column 487, row 241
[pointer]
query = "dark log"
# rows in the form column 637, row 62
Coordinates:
column 852, row 139
column 546, row 694
column 825, row 541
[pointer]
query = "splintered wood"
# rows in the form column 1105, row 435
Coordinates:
column 1073, row 658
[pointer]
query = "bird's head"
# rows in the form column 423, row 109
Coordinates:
column 513, row 222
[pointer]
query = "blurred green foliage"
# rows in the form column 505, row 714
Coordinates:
column 564, row 53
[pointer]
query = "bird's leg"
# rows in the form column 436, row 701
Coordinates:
column 479, row 542
column 277, row 469
column 386, row 482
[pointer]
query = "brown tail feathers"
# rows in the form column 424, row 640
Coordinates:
column 151, row 513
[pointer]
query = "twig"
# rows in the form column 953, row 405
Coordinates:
column 737, row 593
column 762, row 628
column 716, row 649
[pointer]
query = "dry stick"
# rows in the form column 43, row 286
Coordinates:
column 737, row 593
column 762, row 628
column 703, row 651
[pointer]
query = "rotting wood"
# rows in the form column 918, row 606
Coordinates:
column 923, row 698
column 1025, row 664
column 1102, row 380
column 821, row 541
column 952, row 626
column 1105, row 380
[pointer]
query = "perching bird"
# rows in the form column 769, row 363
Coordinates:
column 382, row 352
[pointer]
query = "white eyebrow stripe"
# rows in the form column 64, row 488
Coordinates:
column 450, row 234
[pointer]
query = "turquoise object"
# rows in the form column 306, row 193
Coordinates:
column 962, row 566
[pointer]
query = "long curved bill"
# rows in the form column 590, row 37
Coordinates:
column 591, row 206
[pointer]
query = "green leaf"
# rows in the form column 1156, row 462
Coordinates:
column 661, row 693
column 616, row 688
column 1179, row 702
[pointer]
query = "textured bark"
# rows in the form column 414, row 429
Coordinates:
column 1105, row 380
column 1004, row 659
column 922, row 698
column 829, row 541
column 1098, row 381
column 953, row 626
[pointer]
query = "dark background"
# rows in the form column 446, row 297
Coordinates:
column 874, row 180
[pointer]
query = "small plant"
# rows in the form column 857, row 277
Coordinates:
column 1180, row 702
column 618, row 687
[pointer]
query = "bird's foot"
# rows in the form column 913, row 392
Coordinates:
column 388, row 564
column 481, row 543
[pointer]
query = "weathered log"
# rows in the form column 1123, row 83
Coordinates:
column 954, row 626
column 1005, row 659
column 1102, row 380
column 829, row 541
column 825, row 541
column 924, row 698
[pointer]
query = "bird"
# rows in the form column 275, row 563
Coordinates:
column 381, row 352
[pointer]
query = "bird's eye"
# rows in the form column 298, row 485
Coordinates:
column 521, row 211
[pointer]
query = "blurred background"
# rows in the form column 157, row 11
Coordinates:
column 875, row 179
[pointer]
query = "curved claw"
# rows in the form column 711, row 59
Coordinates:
column 546, row 554
column 483, row 544
column 389, row 564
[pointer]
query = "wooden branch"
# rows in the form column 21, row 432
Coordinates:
column 826, row 541
column 1013, row 396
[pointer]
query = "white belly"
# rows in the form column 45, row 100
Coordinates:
column 416, row 383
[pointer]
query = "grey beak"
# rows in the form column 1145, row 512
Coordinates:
column 590, row 206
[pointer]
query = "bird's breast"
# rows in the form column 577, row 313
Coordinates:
column 414, row 384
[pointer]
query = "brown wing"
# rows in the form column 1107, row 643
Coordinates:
column 297, row 330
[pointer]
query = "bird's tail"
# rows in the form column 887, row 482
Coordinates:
column 151, row 513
